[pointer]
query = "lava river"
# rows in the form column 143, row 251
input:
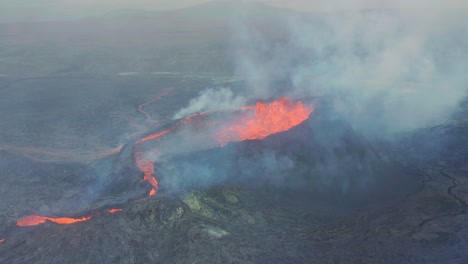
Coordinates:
column 33, row 220
column 201, row 131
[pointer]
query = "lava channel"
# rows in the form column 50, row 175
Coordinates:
column 34, row 220
column 115, row 210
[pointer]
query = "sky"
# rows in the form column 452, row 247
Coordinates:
column 24, row 10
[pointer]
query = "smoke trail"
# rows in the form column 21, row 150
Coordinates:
column 211, row 99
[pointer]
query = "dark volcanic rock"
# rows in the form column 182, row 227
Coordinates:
column 124, row 179
column 229, row 224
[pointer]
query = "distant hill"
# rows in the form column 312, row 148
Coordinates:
column 221, row 10
column 195, row 39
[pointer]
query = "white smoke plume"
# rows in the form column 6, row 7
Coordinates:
column 380, row 72
column 211, row 99
column 384, row 70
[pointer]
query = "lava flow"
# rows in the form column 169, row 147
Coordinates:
column 2, row 240
column 33, row 220
column 147, row 167
column 266, row 120
column 115, row 210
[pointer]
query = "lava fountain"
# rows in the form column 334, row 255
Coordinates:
column 268, row 119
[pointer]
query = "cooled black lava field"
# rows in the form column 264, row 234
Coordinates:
column 233, row 132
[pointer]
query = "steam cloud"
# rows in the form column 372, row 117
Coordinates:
column 381, row 72
column 386, row 70
column 211, row 99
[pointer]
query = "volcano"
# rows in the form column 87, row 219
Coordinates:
column 215, row 183
column 233, row 132
column 207, row 131
column 322, row 159
column 283, row 146
column 286, row 146
column 247, row 123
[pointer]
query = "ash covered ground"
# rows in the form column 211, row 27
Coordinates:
column 252, row 210
column 92, row 109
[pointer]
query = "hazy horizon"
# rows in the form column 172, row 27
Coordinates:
column 24, row 10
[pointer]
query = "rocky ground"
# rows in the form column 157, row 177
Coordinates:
column 228, row 224
column 234, row 225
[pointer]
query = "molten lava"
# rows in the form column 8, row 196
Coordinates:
column 2, row 240
column 114, row 210
column 153, row 136
column 268, row 119
column 33, row 220
column 147, row 167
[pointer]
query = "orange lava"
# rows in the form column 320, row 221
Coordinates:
column 268, row 119
column 33, row 220
column 189, row 119
column 147, row 167
column 2, row 240
column 114, row 210
column 153, row 136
